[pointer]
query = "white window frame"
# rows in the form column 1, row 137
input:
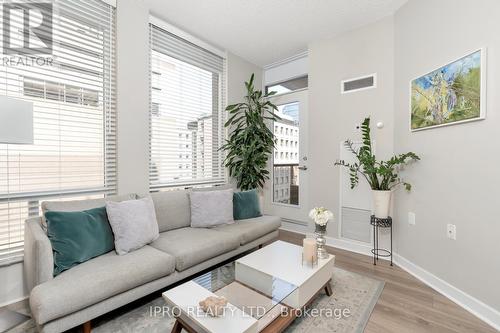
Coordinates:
column 160, row 23
column 184, row 35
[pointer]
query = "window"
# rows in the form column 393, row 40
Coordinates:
column 73, row 155
column 289, row 85
column 287, row 165
column 41, row 88
column 155, row 109
column 187, row 83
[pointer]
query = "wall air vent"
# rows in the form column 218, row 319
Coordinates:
column 355, row 224
column 358, row 84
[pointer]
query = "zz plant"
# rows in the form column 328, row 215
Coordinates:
column 250, row 141
column 380, row 175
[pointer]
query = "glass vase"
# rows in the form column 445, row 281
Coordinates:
column 321, row 241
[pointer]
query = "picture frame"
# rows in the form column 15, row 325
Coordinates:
column 450, row 94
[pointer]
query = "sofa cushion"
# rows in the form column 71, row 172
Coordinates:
column 172, row 209
column 191, row 246
column 79, row 205
column 97, row 280
column 212, row 188
column 211, row 208
column 246, row 205
column 133, row 222
column 250, row 229
column 78, row 236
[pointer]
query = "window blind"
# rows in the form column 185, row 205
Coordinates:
column 73, row 155
column 187, row 113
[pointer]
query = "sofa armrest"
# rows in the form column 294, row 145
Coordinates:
column 38, row 257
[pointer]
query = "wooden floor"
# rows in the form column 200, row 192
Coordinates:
column 406, row 304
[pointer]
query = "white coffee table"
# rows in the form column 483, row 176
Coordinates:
column 261, row 288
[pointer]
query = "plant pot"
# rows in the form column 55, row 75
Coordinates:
column 381, row 203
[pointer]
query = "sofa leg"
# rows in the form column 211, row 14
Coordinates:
column 87, row 327
column 260, row 246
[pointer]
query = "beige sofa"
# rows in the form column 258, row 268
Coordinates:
column 111, row 281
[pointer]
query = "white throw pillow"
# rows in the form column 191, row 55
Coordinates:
column 211, row 208
column 133, row 223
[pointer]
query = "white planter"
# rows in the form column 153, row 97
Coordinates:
column 381, row 203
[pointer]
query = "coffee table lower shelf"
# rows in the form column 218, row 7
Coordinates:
column 276, row 326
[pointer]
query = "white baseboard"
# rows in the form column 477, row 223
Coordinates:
column 349, row 245
column 343, row 244
column 293, row 227
column 479, row 309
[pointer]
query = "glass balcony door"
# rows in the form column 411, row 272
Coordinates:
column 286, row 192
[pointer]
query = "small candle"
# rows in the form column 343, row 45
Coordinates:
column 310, row 253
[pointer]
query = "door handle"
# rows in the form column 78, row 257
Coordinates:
column 303, row 167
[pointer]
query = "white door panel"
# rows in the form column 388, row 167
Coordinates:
column 286, row 192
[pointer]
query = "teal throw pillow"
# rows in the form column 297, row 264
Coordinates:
column 78, row 236
column 246, row 205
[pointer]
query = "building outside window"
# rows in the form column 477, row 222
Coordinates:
column 286, row 155
column 73, row 154
column 188, row 128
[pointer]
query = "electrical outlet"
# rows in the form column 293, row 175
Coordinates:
column 411, row 218
column 451, row 231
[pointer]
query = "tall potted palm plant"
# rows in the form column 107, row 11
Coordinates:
column 250, row 141
column 382, row 176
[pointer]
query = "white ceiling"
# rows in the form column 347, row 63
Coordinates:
column 266, row 31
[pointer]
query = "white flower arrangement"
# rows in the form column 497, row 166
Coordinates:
column 320, row 215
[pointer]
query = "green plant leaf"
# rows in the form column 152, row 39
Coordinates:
column 380, row 175
column 250, row 142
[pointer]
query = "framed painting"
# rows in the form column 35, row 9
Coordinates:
column 452, row 94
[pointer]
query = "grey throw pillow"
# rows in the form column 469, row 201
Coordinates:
column 211, row 208
column 133, row 223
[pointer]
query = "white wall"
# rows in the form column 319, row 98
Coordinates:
column 332, row 116
column 457, row 179
column 133, row 114
column 12, row 285
column 239, row 71
column 132, row 25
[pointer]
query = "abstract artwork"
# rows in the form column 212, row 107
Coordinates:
column 450, row 94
